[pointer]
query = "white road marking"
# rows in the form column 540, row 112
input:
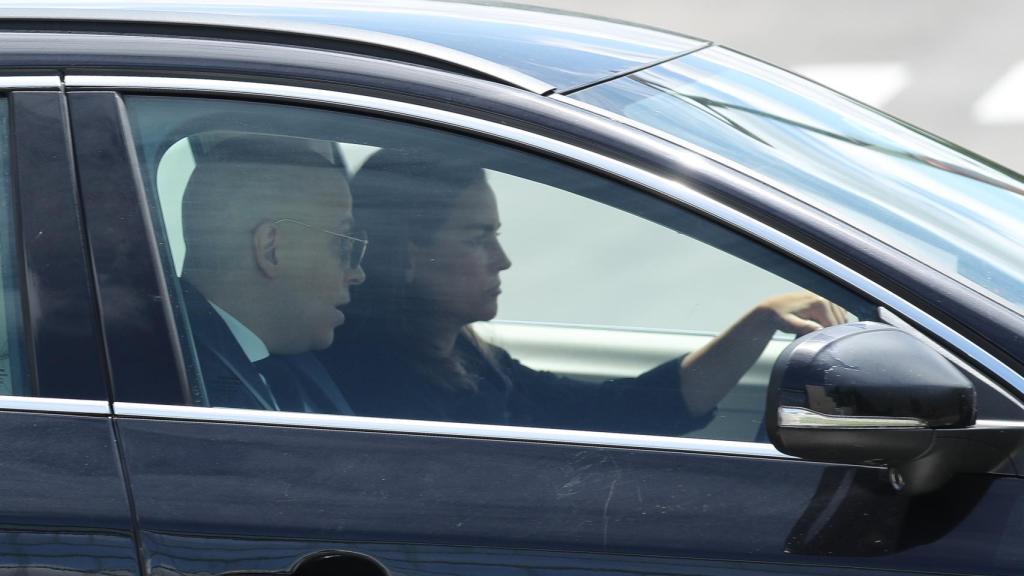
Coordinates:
column 1004, row 101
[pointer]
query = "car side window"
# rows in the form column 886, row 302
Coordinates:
column 13, row 380
column 338, row 263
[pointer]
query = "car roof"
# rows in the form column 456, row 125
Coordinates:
column 540, row 50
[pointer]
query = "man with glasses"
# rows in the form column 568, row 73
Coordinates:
column 271, row 252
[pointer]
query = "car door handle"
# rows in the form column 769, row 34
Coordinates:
column 339, row 563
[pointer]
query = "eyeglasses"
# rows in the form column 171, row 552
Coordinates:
column 353, row 247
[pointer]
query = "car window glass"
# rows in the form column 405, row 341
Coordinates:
column 12, row 377
column 903, row 186
column 337, row 263
column 657, row 278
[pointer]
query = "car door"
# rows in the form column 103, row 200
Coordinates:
column 65, row 508
column 231, row 490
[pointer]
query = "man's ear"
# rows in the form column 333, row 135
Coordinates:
column 265, row 245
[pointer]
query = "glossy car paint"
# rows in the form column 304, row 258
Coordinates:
column 65, row 509
column 131, row 291
column 226, row 497
column 62, row 318
column 580, row 508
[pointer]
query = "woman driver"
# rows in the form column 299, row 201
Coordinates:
column 407, row 351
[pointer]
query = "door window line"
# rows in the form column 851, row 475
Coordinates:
column 29, row 82
column 434, row 428
column 58, row 405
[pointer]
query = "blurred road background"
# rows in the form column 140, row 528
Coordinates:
column 952, row 67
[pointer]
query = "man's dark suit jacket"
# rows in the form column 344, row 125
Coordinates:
column 294, row 382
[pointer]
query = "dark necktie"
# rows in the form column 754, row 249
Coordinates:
column 274, row 376
column 281, row 382
column 299, row 383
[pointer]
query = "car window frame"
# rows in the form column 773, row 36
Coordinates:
column 55, row 282
column 683, row 195
column 986, row 324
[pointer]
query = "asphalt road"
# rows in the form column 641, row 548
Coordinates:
column 952, row 67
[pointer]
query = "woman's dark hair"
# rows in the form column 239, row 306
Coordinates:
column 403, row 197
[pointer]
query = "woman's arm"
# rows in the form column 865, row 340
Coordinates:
column 709, row 373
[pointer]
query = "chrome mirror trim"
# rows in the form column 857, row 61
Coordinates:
column 999, row 424
column 29, row 82
column 677, row 191
column 790, row 417
column 490, row 431
column 54, row 405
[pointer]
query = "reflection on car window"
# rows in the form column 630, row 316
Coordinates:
column 908, row 189
column 12, row 376
column 333, row 263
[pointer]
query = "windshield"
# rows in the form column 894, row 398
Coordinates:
column 953, row 211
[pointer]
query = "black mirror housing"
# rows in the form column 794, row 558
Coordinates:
column 870, row 393
column 872, row 370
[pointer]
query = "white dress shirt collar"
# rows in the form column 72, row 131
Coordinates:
column 251, row 344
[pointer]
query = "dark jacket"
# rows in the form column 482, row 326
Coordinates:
column 293, row 382
column 379, row 380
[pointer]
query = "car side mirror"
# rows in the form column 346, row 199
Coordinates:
column 871, row 394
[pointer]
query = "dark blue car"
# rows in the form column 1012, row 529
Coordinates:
column 256, row 317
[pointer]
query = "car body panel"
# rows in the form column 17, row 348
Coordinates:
column 322, row 489
column 65, row 507
column 129, row 284
column 65, row 358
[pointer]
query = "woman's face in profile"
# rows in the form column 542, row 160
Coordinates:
column 457, row 272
